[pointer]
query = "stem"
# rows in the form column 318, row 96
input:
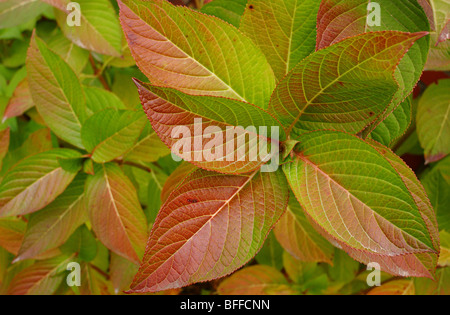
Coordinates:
column 99, row 73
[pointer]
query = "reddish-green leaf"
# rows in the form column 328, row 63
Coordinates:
column 195, row 53
column 115, row 213
column 53, row 225
column 211, row 225
column 284, row 30
column 298, row 237
column 56, row 91
column 20, row 102
column 12, row 231
column 355, row 86
column 256, row 280
column 204, row 121
column 44, row 181
column 396, row 287
column 4, row 144
column 16, row 12
column 362, row 197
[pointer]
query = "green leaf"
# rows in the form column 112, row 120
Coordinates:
column 349, row 93
column 271, row 254
column 437, row 185
column 75, row 56
column 81, row 242
column 53, row 225
column 395, row 125
column 111, row 133
column 44, row 181
column 298, row 237
column 148, row 148
column 344, row 268
column 174, row 114
column 56, row 91
column 256, row 280
column 211, row 225
column 365, row 199
column 433, row 121
column 230, row 11
column 41, row 278
column 115, row 213
column 122, row 273
column 441, row 286
column 285, row 31
column 195, row 53
column 98, row 99
column 17, row 12
column 99, row 28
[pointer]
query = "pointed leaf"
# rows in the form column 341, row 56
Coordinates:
column 53, row 225
column 56, row 91
column 195, row 53
column 256, row 280
column 211, row 225
column 115, row 213
column 12, row 231
column 98, row 99
column 172, row 113
column 75, row 56
column 284, row 30
column 122, row 273
column 354, row 88
column 148, row 148
column 111, row 133
column 176, row 179
column 298, row 237
column 365, row 199
column 433, row 121
column 44, row 181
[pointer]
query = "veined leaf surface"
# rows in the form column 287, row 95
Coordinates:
column 195, row 53
column 365, row 199
column 355, row 87
column 199, row 124
column 211, row 225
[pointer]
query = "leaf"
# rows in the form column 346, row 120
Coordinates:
column 148, row 148
column 115, row 213
column 20, row 102
column 271, row 254
column 56, row 91
column 98, row 99
column 44, row 181
column 395, row 125
column 363, row 198
column 99, row 30
column 356, row 86
column 344, row 268
column 430, row 287
column 153, row 193
column 111, row 133
column 256, row 280
column 12, row 231
column 396, row 287
column 444, row 258
column 433, row 121
column 174, row 114
column 75, row 56
column 4, row 144
column 41, row 278
column 211, row 225
column 298, row 237
column 230, row 11
column 176, row 179
column 82, row 243
column 52, row 226
column 285, row 31
column 195, row 53
column 337, row 21
column 17, row 12
column 437, row 185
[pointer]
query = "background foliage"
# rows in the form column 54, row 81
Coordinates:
column 83, row 174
